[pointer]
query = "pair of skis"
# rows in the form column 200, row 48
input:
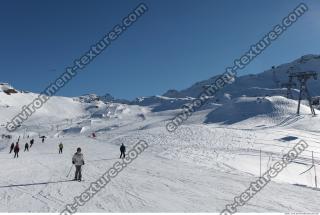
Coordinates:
column 69, row 175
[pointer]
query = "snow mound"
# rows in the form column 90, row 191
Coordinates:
column 271, row 110
column 73, row 130
column 162, row 103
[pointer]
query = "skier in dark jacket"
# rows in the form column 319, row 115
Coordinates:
column 43, row 138
column 123, row 151
column 16, row 150
column 60, row 148
column 78, row 161
column 26, row 147
column 31, row 142
column 11, row 147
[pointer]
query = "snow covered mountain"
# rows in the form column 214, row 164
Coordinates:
column 200, row 167
column 107, row 98
column 6, row 88
column 266, row 83
column 253, row 87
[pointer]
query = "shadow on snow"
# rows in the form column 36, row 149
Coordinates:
column 35, row 184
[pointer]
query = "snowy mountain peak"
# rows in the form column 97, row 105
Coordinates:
column 269, row 82
column 7, row 88
column 107, row 98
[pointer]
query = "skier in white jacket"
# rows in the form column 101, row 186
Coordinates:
column 78, row 161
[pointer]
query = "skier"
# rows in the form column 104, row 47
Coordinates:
column 16, row 150
column 26, row 147
column 123, row 151
column 31, row 142
column 78, row 161
column 11, row 148
column 43, row 137
column 60, row 148
column 93, row 135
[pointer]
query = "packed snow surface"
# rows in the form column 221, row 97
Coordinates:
column 198, row 168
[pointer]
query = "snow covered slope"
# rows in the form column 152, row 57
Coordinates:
column 198, row 168
column 250, row 110
column 61, row 111
column 10, row 105
column 201, row 167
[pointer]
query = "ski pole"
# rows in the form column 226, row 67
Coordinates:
column 69, row 171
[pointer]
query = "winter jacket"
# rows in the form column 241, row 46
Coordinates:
column 60, row 146
column 16, row 148
column 77, row 159
column 122, row 148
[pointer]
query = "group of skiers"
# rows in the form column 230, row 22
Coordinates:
column 26, row 146
column 16, row 148
column 77, row 158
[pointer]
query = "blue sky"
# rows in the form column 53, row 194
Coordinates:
column 175, row 44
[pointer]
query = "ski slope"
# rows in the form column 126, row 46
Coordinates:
column 200, row 167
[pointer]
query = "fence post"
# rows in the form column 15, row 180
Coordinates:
column 315, row 172
column 260, row 163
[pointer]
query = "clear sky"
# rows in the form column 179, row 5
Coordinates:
column 175, row 44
